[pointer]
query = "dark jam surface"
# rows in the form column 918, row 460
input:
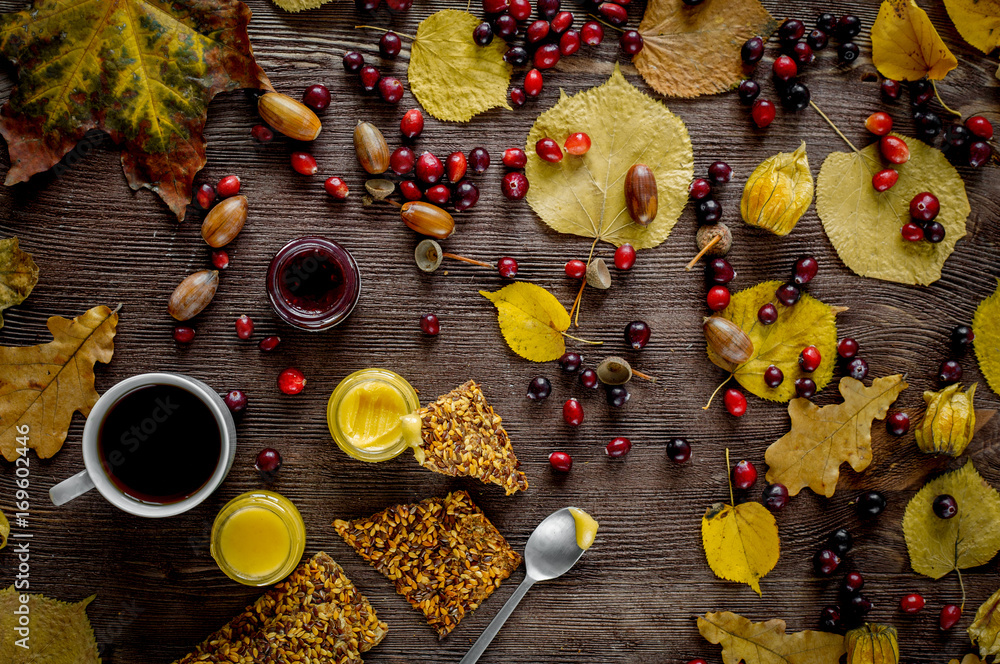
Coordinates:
column 312, row 280
column 159, row 444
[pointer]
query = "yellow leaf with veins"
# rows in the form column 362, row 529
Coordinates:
column 741, row 543
column 985, row 628
column 987, row 342
column 978, row 21
column 767, row 642
column 531, row 320
column 905, row 45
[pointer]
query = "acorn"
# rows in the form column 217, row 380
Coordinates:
column 371, row 148
column 727, row 339
column 640, row 194
column 598, row 275
column 427, row 219
column 193, row 294
column 288, row 116
column 225, row 221
column 709, row 232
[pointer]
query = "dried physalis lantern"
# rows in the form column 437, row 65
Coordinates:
column 949, row 422
column 778, row 192
column 872, row 644
column 290, row 117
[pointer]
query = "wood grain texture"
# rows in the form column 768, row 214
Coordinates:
column 633, row 597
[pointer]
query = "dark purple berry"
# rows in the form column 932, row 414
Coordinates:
column 767, row 314
column 848, row 27
column 857, row 369
column 870, row 504
column 618, row 396
column 748, row 91
column 637, row 334
column 897, row 424
column 805, row 388
column 539, row 388
column 588, row 378
column 753, row 50
column 848, row 52
column 791, row 31
column 950, row 372
column 773, row 376
column 826, row 562
column 678, row 450
column 788, row 294
column 570, row 362
column 840, row 541
column 945, row 507
column 719, row 271
column 961, row 338
column 775, row 496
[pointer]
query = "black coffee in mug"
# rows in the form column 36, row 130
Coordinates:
column 159, row 444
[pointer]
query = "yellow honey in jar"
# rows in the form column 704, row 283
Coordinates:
column 258, row 538
column 367, row 412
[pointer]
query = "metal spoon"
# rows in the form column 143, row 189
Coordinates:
column 551, row 552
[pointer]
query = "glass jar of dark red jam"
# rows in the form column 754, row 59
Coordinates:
column 313, row 283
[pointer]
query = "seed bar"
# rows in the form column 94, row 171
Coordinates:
column 462, row 435
column 317, row 597
column 443, row 554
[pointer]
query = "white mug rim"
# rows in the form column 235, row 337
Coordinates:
column 117, row 497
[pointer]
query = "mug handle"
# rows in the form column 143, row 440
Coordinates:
column 71, row 488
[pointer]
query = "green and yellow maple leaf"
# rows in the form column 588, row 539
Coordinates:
column 60, row 632
column 142, row 70
column 808, row 322
column 531, row 320
column 986, row 326
column 863, row 224
column 767, row 642
column 18, row 274
column 451, row 76
column 585, row 195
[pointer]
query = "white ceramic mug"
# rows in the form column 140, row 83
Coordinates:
column 96, row 477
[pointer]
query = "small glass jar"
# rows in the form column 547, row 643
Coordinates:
column 258, row 520
column 313, row 283
column 384, row 378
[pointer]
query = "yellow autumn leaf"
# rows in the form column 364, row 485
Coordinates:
column 767, row 642
column 59, row 632
column 872, row 644
column 531, row 320
column 985, row 628
column 4, row 530
column 451, row 76
column 695, row 50
column 778, row 192
column 968, row 539
column 968, row 659
column 18, row 274
column 986, row 327
column 949, row 421
column 807, row 322
column 863, row 224
column 978, row 21
column 821, row 439
column 299, row 5
column 586, row 195
column 741, row 543
column 905, row 45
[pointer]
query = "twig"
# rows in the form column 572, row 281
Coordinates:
column 583, row 341
column 603, row 22
column 705, row 407
column 704, row 250
column 467, row 260
column 732, row 501
column 830, row 122
column 941, row 101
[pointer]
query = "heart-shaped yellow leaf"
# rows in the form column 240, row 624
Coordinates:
column 987, row 342
column 767, row 642
column 978, row 21
column 58, row 632
column 905, row 45
column 531, row 320
column 741, row 543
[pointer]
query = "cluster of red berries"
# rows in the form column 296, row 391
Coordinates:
column 389, row 88
column 514, row 184
column 624, row 260
column 577, row 144
column 395, row 6
column 706, row 208
column 924, row 208
column 950, row 371
column 549, row 37
column 798, row 50
column 966, row 143
column 429, row 172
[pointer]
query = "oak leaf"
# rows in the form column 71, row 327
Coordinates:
column 695, row 50
column 821, row 439
column 778, row 192
column 42, row 386
column 987, row 342
column 808, row 322
column 531, row 320
column 968, row 539
column 142, row 70
column 905, row 45
column 741, row 542
column 585, row 195
column 451, row 76
column 863, row 224
column 60, row 632
column 18, row 274
column 970, row 658
column 985, row 628
column 978, row 21
column 767, row 642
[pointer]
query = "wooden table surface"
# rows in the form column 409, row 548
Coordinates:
column 634, row 597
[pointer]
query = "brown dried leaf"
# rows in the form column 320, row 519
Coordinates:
column 42, row 386
column 767, row 642
column 695, row 50
column 18, row 274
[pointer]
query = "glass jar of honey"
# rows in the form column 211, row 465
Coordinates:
column 372, row 415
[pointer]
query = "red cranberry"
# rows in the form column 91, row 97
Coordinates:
column 805, row 388
column 547, row 9
column 630, row 42
column 719, row 172
column 533, row 83
column 788, row 294
column 826, row 562
column 637, row 334
column 613, row 13
column 537, row 31
column 763, row 113
column 950, row 615
column 561, row 22
column 291, row 381
column 517, row 96
column 402, row 160
column 744, row 475
column 303, row 163
column 465, row 196
column 391, row 89
column 262, row 134
column 561, row 461
column 570, row 362
column 336, row 187
column 736, row 402
column 857, row 369
column 624, row 257
column 784, row 68
column 699, row 188
column 894, row 149
column 429, row 168
column 950, row 372
column 791, row 31
column 911, row 603
column 577, row 143
column 439, row 194
column 618, row 447
column 576, row 269
column 267, row 344
column 430, row 325
column 720, row 271
column 410, row 190
column 569, row 42
column 548, row 150
column 268, row 461
column 767, row 314
column 353, row 62
column 546, row 56
column 507, row 267
column 370, row 77
column 183, row 335
column 853, row 583
column 912, row 232
column 773, row 376
column 775, row 496
column 389, row 45
column 804, row 271
column 220, row 259
column 979, row 127
column 514, row 158
column 898, row 423
column 316, row 97
column 589, row 379
column 573, row 413
column 228, row 186
column 803, row 53
column 809, row 359
column 717, row 298
column 412, row 123
column 847, row 348
column 244, row 327
column 891, row 89
column 520, row 9
column 924, row 206
column 514, row 185
column 205, row 195
column 236, row 401
column 829, row 620
column 479, row 160
column 885, row 179
column 678, row 450
column 979, row 153
column 592, row 33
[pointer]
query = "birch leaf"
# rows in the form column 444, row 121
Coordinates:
column 986, row 327
column 531, row 320
column 60, row 632
column 767, row 642
column 969, row 539
column 978, row 21
column 807, row 322
column 821, row 439
column 863, row 224
column 985, row 628
column 451, row 76
column 585, row 195
column 778, row 192
column 18, row 275
column 741, row 543
column 695, row 50
column 905, row 45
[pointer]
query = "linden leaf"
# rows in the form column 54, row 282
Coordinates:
column 142, row 70
column 42, row 386
column 767, row 642
column 58, row 632
column 778, row 192
column 451, row 76
column 968, row 539
column 531, row 320
column 18, row 275
column 741, row 543
column 695, row 50
column 905, row 45
column 299, row 5
column 586, row 195
column 985, row 628
column 863, row 224
column 4, row 530
column 978, row 21
column 821, row 439
column 987, row 341
column 807, row 322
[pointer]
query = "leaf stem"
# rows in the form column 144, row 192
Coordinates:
column 583, row 341
column 714, row 241
column 467, row 260
column 375, row 27
column 578, row 303
column 603, row 22
column 941, row 101
column 729, row 476
column 830, row 122
column 961, row 584
column 705, row 407
column 644, row 376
